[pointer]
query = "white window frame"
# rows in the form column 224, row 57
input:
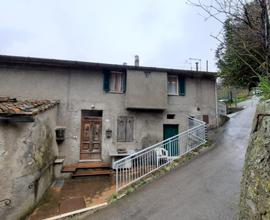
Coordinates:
column 177, row 84
column 113, row 82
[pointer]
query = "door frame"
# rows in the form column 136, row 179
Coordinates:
column 173, row 149
column 169, row 125
column 90, row 118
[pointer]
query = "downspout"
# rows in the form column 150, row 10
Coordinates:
column 217, row 119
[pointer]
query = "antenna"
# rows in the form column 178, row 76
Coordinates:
column 189, row 63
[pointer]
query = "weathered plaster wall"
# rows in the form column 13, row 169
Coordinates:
column 80, row 89
column 27, row 151
column 255, row 186
column 200, row 94
column 147, row 90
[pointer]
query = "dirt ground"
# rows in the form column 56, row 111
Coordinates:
column 72, row 194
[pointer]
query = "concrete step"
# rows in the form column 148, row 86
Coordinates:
column 92, row 172
column 85, row 165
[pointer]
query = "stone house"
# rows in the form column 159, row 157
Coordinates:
column 100, row 110
column 27, row 153
column 105, row 107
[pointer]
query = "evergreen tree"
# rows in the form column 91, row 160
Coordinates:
column 241, row 54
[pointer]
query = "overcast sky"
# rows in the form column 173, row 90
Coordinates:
column 164, row 33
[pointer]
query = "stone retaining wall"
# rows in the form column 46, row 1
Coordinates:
column 255, row 186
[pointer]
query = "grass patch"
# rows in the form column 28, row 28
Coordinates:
column 241, row 99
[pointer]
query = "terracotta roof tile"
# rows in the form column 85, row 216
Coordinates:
column 12, row 106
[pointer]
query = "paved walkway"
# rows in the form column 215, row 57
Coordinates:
column 206, row 189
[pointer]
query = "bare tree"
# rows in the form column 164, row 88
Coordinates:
column 254, row 25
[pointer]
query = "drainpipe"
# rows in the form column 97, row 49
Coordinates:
column 217, row 119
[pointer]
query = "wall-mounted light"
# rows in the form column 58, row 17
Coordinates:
column 108, row 133
column 92, row 106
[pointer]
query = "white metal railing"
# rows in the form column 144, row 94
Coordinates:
column 222, row 108
column 136, row 166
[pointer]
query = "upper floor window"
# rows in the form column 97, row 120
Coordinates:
column 176, row 85
column 114, row 81
column 172, row 85
column 117, row 82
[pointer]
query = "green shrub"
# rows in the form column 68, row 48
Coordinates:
column 265, row 87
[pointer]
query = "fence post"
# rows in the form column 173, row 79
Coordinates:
column 116, row 177
column 205, row 132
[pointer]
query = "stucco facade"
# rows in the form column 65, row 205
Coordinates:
column 81, row 88
column 27, row 154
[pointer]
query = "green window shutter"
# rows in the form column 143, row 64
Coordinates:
column 124, row 82
column 106, row 80
column 182, row 85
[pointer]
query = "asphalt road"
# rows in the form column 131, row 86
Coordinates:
column 207, row 188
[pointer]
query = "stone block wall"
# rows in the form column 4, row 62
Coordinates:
column 255, row 186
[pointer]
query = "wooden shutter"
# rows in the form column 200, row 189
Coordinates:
column 124, row 82
column 182, row 85
column 125, row 128
column 129, row 129
column 121, row 129
column 106, row 80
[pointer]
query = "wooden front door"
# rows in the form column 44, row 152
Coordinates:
column 91, row 130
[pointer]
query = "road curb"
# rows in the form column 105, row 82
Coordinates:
column 87, row 211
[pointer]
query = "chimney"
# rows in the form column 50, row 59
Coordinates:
column 137, row 61
column 197, row 66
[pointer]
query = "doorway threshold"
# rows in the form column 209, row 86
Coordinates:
column 90, row 160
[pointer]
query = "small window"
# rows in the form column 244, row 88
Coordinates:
column 125, row 127
column 206, row 119
column 170, row 116
column 116, row 81
column 172, row 85
column 91, row 113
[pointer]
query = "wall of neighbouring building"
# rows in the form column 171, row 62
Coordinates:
column 27, row 153
column 82, row 89
column 255, row 185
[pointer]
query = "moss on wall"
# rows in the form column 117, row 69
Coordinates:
column 255, row 186
column 42, row 143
